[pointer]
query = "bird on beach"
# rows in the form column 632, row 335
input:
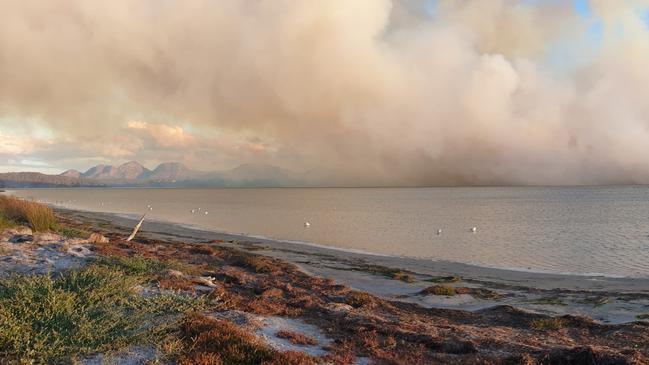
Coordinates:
column 307, row 224
column 206, row 212
column 474, row 229
column 439, row 232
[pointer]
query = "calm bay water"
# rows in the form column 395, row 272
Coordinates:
column 584, row 230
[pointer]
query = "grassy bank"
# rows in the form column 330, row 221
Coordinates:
column 97, row 309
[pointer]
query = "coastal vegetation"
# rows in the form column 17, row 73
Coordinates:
column 439, row 290
column 549, row 323
column 52, row 319
column 15, row 211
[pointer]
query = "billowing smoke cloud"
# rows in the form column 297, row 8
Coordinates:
column 375, row 91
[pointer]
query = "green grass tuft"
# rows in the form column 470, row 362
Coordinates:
column 439, row 290
column 78, row 313
column 549, row 324
column 403, row 276
column 38, row 216
column 134, row 265
column 72, row 232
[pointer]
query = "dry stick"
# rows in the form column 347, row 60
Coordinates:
column 137, row 228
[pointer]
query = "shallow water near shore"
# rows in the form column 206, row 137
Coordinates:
column 600, row 231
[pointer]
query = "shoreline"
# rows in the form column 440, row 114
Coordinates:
column 400, row 229
column 191, row 296
column 605, row 299
column 425, row 264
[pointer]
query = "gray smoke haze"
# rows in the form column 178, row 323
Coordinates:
column 376, row 91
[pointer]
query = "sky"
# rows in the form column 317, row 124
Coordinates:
column 371, row 92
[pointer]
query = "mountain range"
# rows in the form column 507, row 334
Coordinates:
column 168, row 174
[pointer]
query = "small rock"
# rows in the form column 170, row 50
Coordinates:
column 21, row 238
column 173, row 274
column 339, row 307
column 97, row 238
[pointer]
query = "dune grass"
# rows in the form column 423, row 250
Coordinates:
column 14, row 211
column 46, row 319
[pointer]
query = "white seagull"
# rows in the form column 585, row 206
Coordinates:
column 307, row 224
column 474, row 229
column 439, row 232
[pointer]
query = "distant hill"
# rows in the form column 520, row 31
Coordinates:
column 174, row 171
column 72, row 173
column 168, row 174
column 37, row 180
column 133, row 170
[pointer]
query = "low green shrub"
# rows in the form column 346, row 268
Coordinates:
column 78, row 313
column 133, row 265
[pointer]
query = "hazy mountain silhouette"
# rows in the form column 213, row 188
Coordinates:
column 166, row 174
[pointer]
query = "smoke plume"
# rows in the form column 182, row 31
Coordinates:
column 378, row 92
